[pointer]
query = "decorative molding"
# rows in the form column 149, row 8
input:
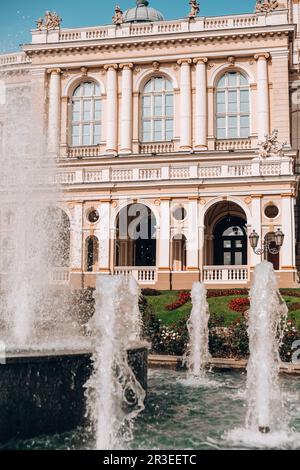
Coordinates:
column 262, row 55
column 200, row 60
column 127, row 66
column 111, row 67
column 184, row 61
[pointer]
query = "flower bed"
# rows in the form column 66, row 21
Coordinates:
column 239, row 305
column 185, row 296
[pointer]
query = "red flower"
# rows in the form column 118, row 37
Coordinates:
column 239, row 305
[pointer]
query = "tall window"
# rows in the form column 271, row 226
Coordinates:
column 157, row 110
column 86, row 115
column 233, row 106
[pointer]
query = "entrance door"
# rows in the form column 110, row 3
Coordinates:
column 230, row 247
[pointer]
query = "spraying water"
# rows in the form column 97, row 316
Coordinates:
column 198, row 350
column 114, row 396
column 265, row 328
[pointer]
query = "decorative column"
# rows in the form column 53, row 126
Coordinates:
column 126, row 109
column 288, row 228
column 186, row 104
column 256, row 225
column 76, row 248
column 263, row 113
column 111, row 108
column 164, row 239
column 201, row 104
column 54, row 110
column 193, row 235
column 103, row 235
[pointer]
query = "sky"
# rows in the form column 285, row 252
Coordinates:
column 17, row 17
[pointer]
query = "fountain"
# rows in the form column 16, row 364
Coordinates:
column 197, row 355
column 47, row 351
column 267, row 315
column 115, row 396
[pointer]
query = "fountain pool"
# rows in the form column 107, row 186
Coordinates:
column 180, row 417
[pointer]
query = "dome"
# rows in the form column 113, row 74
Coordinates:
column 142, row 13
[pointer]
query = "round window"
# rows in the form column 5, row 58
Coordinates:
column 179, row 213
column 93, row 216
column 271, row 211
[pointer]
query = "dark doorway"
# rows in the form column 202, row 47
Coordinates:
column 230, row 242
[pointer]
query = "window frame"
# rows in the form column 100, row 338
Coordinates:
column 93, row 138
column 239, row 114
column 162, row 118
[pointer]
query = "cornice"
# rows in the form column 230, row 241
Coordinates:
column 107, row 45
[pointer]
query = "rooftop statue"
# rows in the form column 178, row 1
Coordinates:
column 118, row 17
column 270, row 147
column 50, row 21
column 195, row 9
column 266, row 6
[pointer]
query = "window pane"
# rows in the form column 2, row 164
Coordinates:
column 146, row 130
column 87, row 89
column 227, row 244
column 244, row 101
column 243, row 80
column 245, row 121
column 221, row 83
column 232, row 79
column 97, row 91
column 157, row 130
column 148, row 87
column 169, row 129
column 227, row 258
column 232, row 124
column 75, row 130
column 221, row 134
column 97, row 134
column 75, row 116
column 221, row 122
column 238, row 258
column 86, row 134
column 77, row 91
column 75, row 141
column 238, row 244
column 169, row 85
column 169, row 100
column 158, row 84
column 157, row 105
column 76, row 106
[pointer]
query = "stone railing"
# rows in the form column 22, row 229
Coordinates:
column 60, row 276
column 157, row 147
column 254, row 168
column 278, row 17
column 14, row 59
column 82, row 152
column 143, row 275
column 233, row 144
column 230, row 274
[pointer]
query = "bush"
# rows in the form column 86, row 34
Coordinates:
column 291, row 334
column 150, row 292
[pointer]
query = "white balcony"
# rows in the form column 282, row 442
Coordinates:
column 225, row 274
column 59, row 276
column 254, row 168
column 143, row 275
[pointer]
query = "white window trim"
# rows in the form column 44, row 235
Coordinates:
column 227, row 114
column 152, row 118
column 91, row 122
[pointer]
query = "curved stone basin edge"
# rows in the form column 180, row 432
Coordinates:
column 157, row 361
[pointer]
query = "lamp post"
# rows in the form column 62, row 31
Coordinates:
column 278, row 238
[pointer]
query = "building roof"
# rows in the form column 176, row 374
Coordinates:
column 142, row 13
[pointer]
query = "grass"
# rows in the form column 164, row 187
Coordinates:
column 218, row 307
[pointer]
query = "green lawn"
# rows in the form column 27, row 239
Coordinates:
column 218, row 307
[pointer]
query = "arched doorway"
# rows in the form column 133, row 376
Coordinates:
column 272, row 257
column 135, row 243
column 179, row 253
column 92, row 253
column 225, row 235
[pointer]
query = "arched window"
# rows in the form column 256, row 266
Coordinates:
column 158, row 110
column 86, row 115
column 233, row 106
column 92, row 248
column 272, row 257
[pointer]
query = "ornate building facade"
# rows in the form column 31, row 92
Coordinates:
column 190, row 127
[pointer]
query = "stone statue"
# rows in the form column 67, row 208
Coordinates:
column 266, row 6
column 270, row 147
column 50, row 21
column 195, row 9
column 118, row 17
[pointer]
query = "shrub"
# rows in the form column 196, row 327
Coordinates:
column 150, row 292
column 291, row 334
